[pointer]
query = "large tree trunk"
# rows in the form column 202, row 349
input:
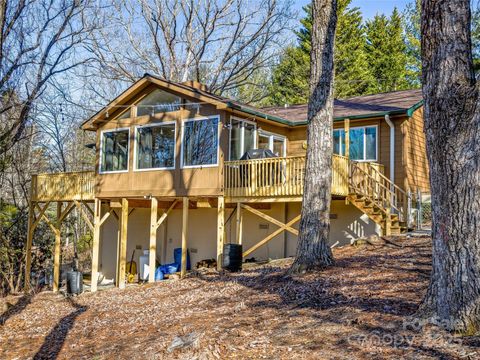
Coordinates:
column 452, row 128
column 313, row 251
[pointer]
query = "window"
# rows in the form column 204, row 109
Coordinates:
column 200, row 142
column 276, row 143
column 242, row 138
column 155, row 146
column 126, row 114
column 114, row 150
column 158, row 101
column 363, row 143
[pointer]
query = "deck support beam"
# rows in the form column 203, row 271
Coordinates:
column 97, row 213
column 270, row 219
column 220, row 230
column 283, row 227
column 123, row 244
column 58, row 248
column 239, row 224
column 183, row 266
column 28, row 247
column 153, row 239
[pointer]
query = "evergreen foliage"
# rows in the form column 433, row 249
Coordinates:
column 382, row 54
column 386, row 52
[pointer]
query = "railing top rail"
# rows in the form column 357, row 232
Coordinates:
column 391, row 183
column 278, row 158
column 65, row 173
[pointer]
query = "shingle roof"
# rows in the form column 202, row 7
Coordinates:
column 396, row 101
column 355, row 107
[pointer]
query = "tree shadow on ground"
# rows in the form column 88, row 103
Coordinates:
column 54, row 341
column 375, row 306
column 19, row 306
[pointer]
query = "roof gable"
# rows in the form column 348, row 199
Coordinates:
column 368, row 106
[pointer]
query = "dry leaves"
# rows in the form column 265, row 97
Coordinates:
column 361, row 308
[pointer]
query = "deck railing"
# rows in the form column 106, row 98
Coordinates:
column 278, row 177
column 64, row 186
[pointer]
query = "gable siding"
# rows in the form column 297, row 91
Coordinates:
column 206, row 181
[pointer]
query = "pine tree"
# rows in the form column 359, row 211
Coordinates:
column 386, row 52
column 352, row 75
column 411, row 24
column 290, row 77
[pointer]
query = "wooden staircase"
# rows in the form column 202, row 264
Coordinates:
column 379, row 198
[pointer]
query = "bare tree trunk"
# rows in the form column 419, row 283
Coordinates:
column 452, row 128
column 313, row 251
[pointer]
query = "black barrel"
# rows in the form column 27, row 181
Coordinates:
column 232, row 257
column 74, row 282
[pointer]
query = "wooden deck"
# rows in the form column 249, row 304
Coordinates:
column 277, row 177
column 69, row 186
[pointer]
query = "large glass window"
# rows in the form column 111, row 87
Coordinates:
column 200, row 142
column 114, row 154
column 158, row 101
column 242, row 138
column 276, row 143
column 363, row 143
column 155, row 147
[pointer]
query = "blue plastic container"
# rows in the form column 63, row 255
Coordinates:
column 177, row 257
column 169, row 268
column 158, row 274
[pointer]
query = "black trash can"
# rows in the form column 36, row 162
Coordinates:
column 74, row 282
column 232, row 257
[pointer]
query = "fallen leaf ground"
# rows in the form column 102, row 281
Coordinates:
column 363, row 308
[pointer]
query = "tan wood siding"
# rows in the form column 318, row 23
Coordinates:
column 206, row 181
column 416, row 171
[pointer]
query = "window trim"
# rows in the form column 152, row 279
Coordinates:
column 242, row 135
column 100, row 162
column 135, row 146
column 273, row 136
column 364, row 142
column 182, row 142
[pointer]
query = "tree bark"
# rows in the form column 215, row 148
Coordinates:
column 452, row 128
column 313, row 250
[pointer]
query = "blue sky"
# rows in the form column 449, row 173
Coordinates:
column 370, row 7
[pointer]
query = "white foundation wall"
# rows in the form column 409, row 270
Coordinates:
column 348, row 224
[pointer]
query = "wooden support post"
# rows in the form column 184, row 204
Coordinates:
column 388, row 221
column 58, row 248
column 153, row 239
column 28, row 246
column 346, row 124
column 220, row 230
column 239, row 224
column 183, row 269
column 123, row 244
column 96, row 243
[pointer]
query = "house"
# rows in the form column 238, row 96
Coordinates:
column 169, row 175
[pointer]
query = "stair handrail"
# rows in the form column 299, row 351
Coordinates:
column 365, row 188
column 400, row 204
column 392, row 196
